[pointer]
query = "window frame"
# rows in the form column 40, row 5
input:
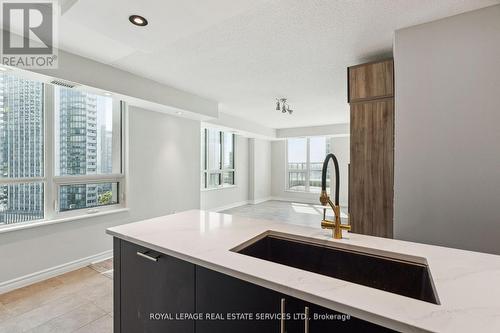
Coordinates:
column 220, row 171
column 308, row 166
column 52, row 183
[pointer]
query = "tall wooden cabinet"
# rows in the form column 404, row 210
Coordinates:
column 371, row 170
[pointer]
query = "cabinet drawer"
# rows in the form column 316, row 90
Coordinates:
column 371, row 81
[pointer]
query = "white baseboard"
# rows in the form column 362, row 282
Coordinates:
column 258, row 201
column 298, row 200
column 233, row 205
column 48, row 273
column 313, row 201
column 240, row 203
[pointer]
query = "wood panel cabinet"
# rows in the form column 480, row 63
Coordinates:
column 370, row 81
column 371, row 170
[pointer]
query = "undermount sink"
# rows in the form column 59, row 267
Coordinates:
column 394, row 275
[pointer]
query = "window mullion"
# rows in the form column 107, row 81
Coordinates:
column 332, row 174
column 49, row 130
column 308, row 164
column 221, row 159
column 287, row 167
column 123, row 144
column 222, row 148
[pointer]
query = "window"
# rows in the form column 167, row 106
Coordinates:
column 297, row 164
column 305, row 158
column 217, row 159
column 60, row 150
column 87, row 149
column 21, row 150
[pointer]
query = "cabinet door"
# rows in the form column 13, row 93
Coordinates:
column 326, row 320
column 371, row 173
column 221, row 294
column 153, row 283
column 371, row 81
column 305, row 317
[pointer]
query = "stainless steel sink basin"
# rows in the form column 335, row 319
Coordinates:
column 394, row 275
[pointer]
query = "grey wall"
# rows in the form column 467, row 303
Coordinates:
column 164, row 177
column 225, row 197
column 259, row 172
column 447, row 147
column 164, row 164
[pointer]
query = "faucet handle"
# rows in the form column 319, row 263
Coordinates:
column 345, row 227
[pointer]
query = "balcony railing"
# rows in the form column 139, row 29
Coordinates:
column 297, row 176
column 8, row 217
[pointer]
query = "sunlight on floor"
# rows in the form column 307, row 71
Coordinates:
column 311, row 209
column 306, row 209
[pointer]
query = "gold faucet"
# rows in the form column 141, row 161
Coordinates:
column 335, row 225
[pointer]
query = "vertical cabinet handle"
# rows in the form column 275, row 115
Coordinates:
column 282, row 319
column 147, row 256
column 306, row 320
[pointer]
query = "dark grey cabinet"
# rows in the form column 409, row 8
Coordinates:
column 148, row 283
column 330, row 321
column 153, row 289
column 221, row 294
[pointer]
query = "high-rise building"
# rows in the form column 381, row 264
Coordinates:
column 21, row 148
column 83, row 139
column 84, row 145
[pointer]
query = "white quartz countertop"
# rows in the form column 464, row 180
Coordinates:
column 467, row 283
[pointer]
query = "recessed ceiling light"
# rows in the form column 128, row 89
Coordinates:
column 178, row 112
column 107, row 94
column 138, row 20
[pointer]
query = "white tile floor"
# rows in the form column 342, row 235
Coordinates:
column 287, row 212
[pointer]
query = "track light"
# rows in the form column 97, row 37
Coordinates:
column 283, row 106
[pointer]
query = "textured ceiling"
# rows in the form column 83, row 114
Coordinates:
column 244, row 53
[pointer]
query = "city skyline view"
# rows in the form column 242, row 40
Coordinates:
column 83, row 146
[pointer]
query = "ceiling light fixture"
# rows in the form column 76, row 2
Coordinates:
column 178, row 112
column 4, row 69
column 138, row 20
column 107, row 94
column 282, row 104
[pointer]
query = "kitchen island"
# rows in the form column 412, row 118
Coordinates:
column 205, row 275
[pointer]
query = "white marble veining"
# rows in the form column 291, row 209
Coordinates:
column 467, row 283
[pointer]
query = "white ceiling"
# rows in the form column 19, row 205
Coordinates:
column 245, row 53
